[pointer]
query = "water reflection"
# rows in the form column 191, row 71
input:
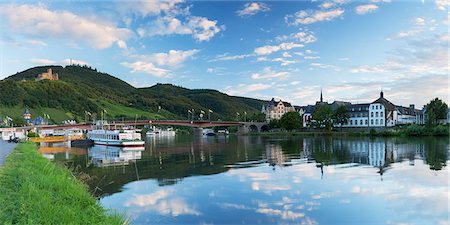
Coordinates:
column 102, row 156
column 273, row 180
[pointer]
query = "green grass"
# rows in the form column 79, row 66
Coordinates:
column 34, row 190
column 55, row 114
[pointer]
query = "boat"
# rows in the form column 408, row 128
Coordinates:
column 169, row 132
column 114, row 135
column 208, row 132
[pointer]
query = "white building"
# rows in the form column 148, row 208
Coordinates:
column 276, row 109
column 379, row 113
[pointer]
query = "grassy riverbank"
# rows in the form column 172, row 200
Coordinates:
column 34, row 190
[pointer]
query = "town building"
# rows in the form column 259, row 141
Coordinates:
column 27, row 115
column 379, row 113
column 48, row 76
column 276, row 109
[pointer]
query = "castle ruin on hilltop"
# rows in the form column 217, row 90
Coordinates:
column 48, row 76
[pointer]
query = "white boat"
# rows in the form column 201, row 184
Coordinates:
column 169, row 132
column 114, row 135
column 208, row 132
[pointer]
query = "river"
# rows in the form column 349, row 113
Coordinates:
column 269, row 180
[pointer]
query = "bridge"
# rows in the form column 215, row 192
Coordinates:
column 243, row 127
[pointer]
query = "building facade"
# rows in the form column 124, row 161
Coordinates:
column 276, row 109
column 379, row 113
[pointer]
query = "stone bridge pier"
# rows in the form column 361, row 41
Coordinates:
column 253, row 127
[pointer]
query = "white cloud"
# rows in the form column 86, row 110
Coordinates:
column 226, row 57
column 146, row 67
column 325, row 66
column 287, row 55
column 39, row 21
column 43, row 61
column 308, row 17
column 150, row 7
column 74, row 62
column 201, row 28
column 311, row 57
column 172, row 58
column 268, row 74
column 284, row 62
column 302, row 36
column 364, row 9
column 154, row 63
column 253, row 8
column 37, row 42
column 162, row 203
column 442, row 4
column 327, row 5
column 269, row 49
column 64, row 61
column 367, row 69
column 242, row 89
column 419, row 21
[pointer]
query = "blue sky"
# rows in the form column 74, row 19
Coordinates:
column 288, row 50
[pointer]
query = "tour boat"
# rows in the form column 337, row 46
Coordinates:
column 114, row 135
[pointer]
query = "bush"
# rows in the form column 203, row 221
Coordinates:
column 416, row 130
column 32, row 134
column 441, row 130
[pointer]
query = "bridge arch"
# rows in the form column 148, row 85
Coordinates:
column 264, row 128
column 253, row 128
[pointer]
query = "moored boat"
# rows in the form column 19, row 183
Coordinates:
column 114, row 135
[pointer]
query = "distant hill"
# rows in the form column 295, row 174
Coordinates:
column 80, row 89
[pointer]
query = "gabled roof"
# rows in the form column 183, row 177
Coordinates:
column 273, row 103
column 308, row 109
column 389, row 106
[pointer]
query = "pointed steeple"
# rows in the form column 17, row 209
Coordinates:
column 321, row 97
column 381, row 93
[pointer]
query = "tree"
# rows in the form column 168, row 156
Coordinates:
column 323, row 116
column 340, row 115
column 19, row 121
column 257, row 117
column 436, row 110
column 291, row 120
column 274, row 124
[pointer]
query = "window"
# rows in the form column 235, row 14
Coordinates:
column 371, row 121
column 360, row 122
column 376, row 107
column 366, row 122
column 381, row 122
column 381, row 114
column 376, row 114
column 371, row 114
column 376, row 122
column 372, row 107
column 351, row 122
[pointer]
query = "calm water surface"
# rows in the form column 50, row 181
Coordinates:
column 270, row 180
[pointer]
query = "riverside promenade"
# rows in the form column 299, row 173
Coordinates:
column 5, row 149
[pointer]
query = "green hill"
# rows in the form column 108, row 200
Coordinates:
column 80, row 89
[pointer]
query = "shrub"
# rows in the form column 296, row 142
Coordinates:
column 441, row 130
column 416, row 130
column 32, row 134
